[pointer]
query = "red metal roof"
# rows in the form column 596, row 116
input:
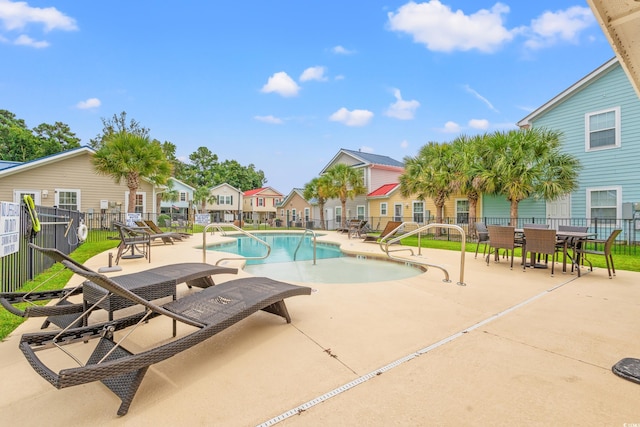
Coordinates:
column 383, row 190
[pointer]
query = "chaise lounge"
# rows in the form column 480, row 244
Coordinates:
column 208, row 312
column 390, row 229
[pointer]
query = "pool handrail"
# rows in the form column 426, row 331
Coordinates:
column 220, row 226
column 384, row 245
column 313, row 234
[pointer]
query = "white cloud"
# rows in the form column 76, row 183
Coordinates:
column 16, row 16
column 24, row 40
column 366, row 149
column 401, row 109
column 441, row 29
column 562, row 25
column 88, row 104
column 479, row 124
column 481, row 98
column 404, row 144
column 342, row 51
column 281, row 84
column 352, row 118
column 451, row 127
column 314, row 73
column 269, row 119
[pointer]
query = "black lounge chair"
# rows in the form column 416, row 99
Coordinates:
column 209, row 311
column 166, row 237
column 152, row 284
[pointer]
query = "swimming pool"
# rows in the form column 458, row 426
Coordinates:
column 332, row 265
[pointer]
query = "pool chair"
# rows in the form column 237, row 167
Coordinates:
column 203, row 314
column 153, row 283
column 153, row 226
column 153, row 235
column 358, row 228
column 589, row 247
column 390, row 230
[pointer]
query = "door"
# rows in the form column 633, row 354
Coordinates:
column 559, row 211
column 397, row 212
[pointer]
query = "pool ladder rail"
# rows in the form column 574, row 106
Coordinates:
column 313, row 235
column 222, row 229
column 386, row 241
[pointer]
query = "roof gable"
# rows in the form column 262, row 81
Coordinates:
column 573, row 89
column 262, row 190
column 384, row 190
column 362, row 159
column 21, row 167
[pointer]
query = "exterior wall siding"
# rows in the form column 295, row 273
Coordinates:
column 602, row 168
column 77, row 173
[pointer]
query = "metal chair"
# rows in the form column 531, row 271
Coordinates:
column 502, row 237
column 606, row 252
column 483, row 237
column 539, row 241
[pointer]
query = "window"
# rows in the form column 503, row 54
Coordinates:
column 139, row 203
column 281, row 212
column 383, row 209
column 225, row 200
column 602, row 129
column 293, row 214
column 306, row 214
column 360, row 212
column 183, row 196
column 603, row 203
column 338, row 215
column 260, row 201
column 418, row 212
column 18, row 196
column 462, row 211
column 68, row 199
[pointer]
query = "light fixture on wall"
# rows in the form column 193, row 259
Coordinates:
column 45, row 194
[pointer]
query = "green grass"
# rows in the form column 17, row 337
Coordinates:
column 622, row 261
column 54, row 278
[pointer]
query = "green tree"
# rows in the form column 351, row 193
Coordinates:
column 242, row 177
column 117, row 124
column 527, row 163
column 467, row 167
column 169, row 194
column 345, row 183
column 202, row 169
column 130, row 156
column 430, row 174
column 318, row 188
column 55, row 138
column 203, row 195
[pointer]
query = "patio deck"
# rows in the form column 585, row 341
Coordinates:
column 511, row 347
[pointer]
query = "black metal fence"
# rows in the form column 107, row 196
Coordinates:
column 58, row 230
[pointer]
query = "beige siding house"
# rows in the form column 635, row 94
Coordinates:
column 68, row 180
column 376, row 170
column 227, row 202
column 259, row 205
column 295, row 209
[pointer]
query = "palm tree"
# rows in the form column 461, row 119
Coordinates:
column 466, row 173
column 203, row 195
column 129, row 156
column 527, row 163
column 345, row 183
column 318, row 188
column 430, row 174
column 170, row 194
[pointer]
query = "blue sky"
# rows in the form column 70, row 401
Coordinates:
column 284, row 84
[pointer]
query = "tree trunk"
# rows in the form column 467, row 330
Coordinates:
column 321, row 216
column 344, row 213
column 473, row 208
column 514, row 213
column 132, row 200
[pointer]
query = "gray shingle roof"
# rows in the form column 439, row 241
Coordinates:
column 375, row 158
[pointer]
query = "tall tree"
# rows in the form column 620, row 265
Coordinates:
column 346, row 183
column 527, row 163
column 118, row 124
column 202, row 170
column 318, row 188
column 430, row 174
column 203, row 195
column 129, row 156
column 55, row 138
column 467, row 167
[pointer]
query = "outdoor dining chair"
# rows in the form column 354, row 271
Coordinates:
column 591, row 249
column 483, row 237
column 502, row 237
column 539, row 241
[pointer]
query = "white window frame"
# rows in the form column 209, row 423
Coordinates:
column 67, row 190
column 384, row 209
column 587, row 130
column 307, row 214
column 138, row 193
column 183, row 196
column 360, row 212
column 616, row 188
column 414, row 218
column 396, row 217
column 260, row 202
column 338, row 214
column 458, row 212
column 18, row 196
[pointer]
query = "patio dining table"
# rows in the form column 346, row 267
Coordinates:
column 572, row 239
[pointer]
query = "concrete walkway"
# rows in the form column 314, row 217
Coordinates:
column 510, row 347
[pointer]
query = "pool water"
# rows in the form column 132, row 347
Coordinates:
column 331, row 266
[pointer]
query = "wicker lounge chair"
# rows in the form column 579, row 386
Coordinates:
column 389, row 230
column 152, row 284
column 153, row 226
column 166, row 237
column 208, row 312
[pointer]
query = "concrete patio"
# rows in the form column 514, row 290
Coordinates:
column 510, row 347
